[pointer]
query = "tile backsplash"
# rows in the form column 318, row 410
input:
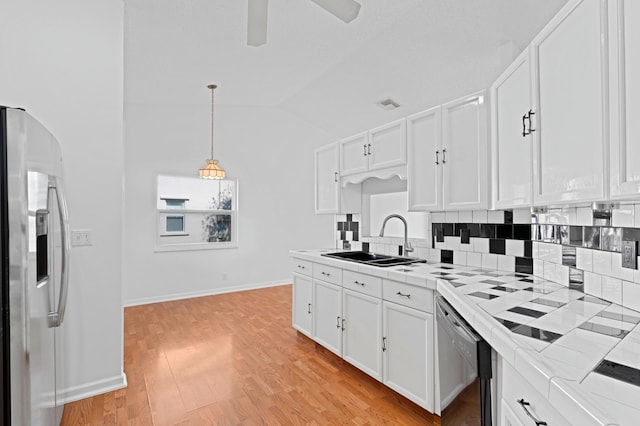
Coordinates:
column 579, row 247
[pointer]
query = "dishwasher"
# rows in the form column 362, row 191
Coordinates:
column 464, row 370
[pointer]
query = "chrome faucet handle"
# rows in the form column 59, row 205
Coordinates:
column 407, row 247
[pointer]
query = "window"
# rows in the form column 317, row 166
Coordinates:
column 174, row 224
column 196, row 213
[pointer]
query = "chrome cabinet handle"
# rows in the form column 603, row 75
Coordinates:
column 55, row 317
column 365, row 149
column 308, row 308
column 368, row 149
column 529, row 114
column 437, row 152
column 524, row 404
column 444, row 158
column 525, row 118
column 301, row 267
column 335, row 176
column 325, row 273
column 343, row 320
column 338, row 323
column 384, row 344
column 408, row 296
column 358, row 283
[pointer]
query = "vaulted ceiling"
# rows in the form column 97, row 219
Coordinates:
column 331, row 74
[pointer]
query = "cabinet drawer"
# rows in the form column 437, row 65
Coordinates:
column 362, row 283
column 302, row 267
column 408, row 295
column 515, row 388
column 327, row 273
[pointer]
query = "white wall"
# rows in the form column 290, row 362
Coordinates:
column 63, row 62
column 266, row 149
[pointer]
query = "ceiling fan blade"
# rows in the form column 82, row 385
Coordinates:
column 346, row 10
column 257, row 22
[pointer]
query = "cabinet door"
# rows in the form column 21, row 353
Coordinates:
column 511, row 144
column 388, row 145
column 624, row 38
column 353, row 154
column 424, row 139
column 327, row 315
column 465, row 153
column 408, row 371
column 508, row 417
column 302, row 304
column 326, row 178
column 570, row 106
column 362, row 332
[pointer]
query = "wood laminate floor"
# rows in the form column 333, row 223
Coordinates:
column 234, row 359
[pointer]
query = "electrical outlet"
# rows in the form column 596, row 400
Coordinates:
column 630, row 254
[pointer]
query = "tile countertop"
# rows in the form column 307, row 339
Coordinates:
column 554, row 336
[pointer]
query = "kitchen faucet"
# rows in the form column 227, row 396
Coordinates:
column 407, row 244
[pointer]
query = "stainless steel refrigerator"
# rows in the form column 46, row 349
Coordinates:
column 34, row 250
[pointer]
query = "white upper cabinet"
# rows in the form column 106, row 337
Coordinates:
column 465, row 155
column 511, row 140
column 570, row 105
column 353, row 154
column 387, row 145
column 624, row 73
column 424, row 174
column 448, row 162
column 327, row 188
column 330, row 196
column 382, row 147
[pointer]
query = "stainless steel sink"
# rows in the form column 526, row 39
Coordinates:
column 373, row 259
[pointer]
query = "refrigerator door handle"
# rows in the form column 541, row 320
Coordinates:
column 56, row 317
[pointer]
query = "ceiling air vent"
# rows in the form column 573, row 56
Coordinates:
column 388, row 104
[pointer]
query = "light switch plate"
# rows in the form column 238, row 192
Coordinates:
column 81, row 237
column 630, row 254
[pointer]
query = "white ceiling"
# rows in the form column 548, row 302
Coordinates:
column 419, row 52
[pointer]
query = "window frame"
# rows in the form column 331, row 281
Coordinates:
column 164, row 244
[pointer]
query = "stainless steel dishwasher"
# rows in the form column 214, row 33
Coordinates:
column 464, row 367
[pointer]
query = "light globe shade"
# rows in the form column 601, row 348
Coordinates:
column 211, row 170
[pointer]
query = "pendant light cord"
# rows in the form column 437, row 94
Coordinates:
column 212, row 87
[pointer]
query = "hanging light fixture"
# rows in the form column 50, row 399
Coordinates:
column 211, row 170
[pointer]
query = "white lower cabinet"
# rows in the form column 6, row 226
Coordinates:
column 354, row 315
column 327, row 315
column 362, row 332
column 508, row 417
column 526, row 404
column 302, row 299
column 408, row 353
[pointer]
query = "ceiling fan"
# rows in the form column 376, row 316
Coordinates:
column 345, row 10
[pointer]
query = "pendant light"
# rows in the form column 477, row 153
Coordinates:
column 211, row 170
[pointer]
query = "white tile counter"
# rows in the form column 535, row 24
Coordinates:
column 555, row 337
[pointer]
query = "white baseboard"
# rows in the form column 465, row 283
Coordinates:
column 90, row 389
column 208, row 292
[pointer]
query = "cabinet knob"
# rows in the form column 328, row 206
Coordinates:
column 358, row 283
